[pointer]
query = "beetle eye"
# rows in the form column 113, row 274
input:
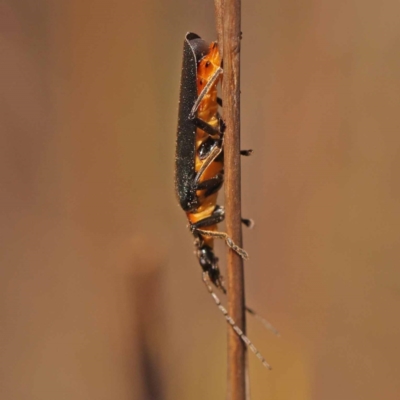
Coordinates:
column 201, row 81
column 208, row 64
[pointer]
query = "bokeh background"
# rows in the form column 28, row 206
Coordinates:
column 100, row 294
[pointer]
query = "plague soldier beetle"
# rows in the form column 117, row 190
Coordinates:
column 199, row 164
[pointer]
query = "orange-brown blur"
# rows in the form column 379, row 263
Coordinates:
column 100, row 292
column 207, row 112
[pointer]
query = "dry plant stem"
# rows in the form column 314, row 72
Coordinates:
column 219, row 13
column 228, row 21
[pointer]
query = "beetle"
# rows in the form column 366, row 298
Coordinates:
column 199, row 163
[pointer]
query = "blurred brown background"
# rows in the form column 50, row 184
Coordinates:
column 100, row 294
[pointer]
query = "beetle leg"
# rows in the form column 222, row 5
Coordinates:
column 212, row 185
column 204, row 92
column 222, row 125
column 206, row 147
column 215, row 151
column 206, row 127
column 216, row 217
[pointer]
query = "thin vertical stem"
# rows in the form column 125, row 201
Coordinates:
column 228, row 14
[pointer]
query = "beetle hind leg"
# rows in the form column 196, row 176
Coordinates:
column 211, row 185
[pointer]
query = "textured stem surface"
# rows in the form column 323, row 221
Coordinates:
column 228, row 28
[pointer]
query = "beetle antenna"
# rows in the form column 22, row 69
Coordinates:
column 266, row 323
column 222, row 235
column 232, row 323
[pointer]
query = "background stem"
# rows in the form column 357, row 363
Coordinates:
column 228, row 27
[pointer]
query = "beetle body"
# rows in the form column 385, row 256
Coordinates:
column 199, row 163
column 199, row 154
